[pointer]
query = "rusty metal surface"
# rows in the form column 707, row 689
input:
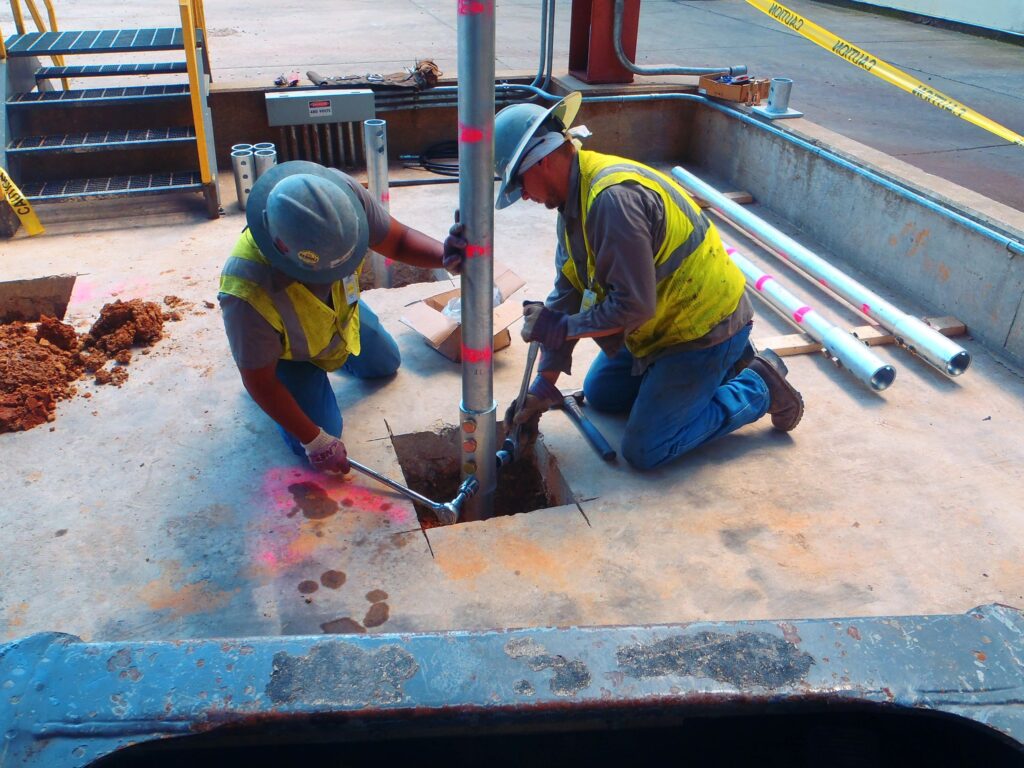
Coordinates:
column 67, row 703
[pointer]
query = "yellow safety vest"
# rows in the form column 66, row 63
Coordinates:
column 312, row 331
column 697, row 284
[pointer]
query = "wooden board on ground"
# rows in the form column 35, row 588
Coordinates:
column 740, row 198
column 28, row 300
column 871, row 335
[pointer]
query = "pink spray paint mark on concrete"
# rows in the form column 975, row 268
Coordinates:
column 350, row 492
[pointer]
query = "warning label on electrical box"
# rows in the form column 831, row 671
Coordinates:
column 320, row 108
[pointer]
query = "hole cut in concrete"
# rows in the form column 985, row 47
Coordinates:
column 431, row 463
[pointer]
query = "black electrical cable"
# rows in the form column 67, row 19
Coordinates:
column 432, row 159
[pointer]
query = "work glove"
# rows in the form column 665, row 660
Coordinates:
column 327, row 454
column 455, row 247
column 548, row 326
column 541, row 396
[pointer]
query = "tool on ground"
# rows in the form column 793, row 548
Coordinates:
column 447, row 513
column 571, row 405
column 510, row 446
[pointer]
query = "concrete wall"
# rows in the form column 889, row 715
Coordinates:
column 904, row 246
column 1002, row 15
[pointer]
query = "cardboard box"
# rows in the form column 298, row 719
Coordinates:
column 750, row 92
column 445, row 335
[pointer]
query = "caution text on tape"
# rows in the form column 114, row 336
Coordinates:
column 21, row 206
column 869, row 63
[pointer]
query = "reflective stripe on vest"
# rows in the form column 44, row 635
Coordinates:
column 697, row 285
column 312, row 331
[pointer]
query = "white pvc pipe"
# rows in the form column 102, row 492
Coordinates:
column 909, row 331
column 851, row 354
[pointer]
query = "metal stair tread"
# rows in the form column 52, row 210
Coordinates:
column 99, row 140
column 97, row 41
column 120, row 93
column 110, row 70
column 111, row 186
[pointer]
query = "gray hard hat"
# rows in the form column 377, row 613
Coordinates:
column 308, row 222
column 514, row 128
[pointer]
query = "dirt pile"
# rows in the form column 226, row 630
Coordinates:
column 40, row 362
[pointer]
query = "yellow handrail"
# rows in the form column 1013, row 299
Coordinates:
column 189, row 34
column 3, row 48
column 41, row 26
column 19, row 20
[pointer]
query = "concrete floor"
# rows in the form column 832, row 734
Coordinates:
column 252, row 43
column 162, row 509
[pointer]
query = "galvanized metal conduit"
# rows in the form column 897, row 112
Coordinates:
column 375, row 147
column 851, row 354
column 620, row 9
column 476, row 205
column 931, row 345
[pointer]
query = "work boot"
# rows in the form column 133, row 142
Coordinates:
column 749, row 351
column 786, row 405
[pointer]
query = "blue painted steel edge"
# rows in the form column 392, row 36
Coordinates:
column 64, row 702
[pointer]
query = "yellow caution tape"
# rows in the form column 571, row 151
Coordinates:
column 879, row 68
column 21, row 207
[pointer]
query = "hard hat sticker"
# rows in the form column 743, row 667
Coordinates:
column 309, row 257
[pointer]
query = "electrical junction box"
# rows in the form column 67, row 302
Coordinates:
column 344, row 105
column 444, row 334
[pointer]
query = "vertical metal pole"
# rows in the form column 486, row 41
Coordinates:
column 375, row 148
column 476, row 206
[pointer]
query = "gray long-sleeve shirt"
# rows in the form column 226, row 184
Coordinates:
column 625, row 228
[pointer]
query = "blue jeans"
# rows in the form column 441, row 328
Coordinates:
column 309, row 385
column 680, row 401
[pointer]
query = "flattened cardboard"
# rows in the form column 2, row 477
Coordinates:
column 445, row 335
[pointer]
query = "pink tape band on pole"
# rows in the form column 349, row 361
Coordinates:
column 470, row 134
column 476, row 355
column 762, row 280
column 799, row 314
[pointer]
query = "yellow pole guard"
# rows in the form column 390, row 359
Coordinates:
column 878, row 68
column 189, row 35
column 37, row 17
column 21, row 206
column 59, row 60
column 19, row 19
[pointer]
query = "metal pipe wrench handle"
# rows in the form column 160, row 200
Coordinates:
column 593, row 435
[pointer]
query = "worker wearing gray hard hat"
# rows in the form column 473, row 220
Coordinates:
column 643, row 272
column 290, row 298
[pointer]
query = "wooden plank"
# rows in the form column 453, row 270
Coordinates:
column 792, row 344
column 947, row 325
column 28, row 300
column 740, row 198
column 871, row 335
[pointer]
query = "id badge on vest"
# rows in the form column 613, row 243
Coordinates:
column 589, row 300
column 351, row 285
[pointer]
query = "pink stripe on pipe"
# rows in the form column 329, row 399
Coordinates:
column 471, row 7
column 865, row 308
column 799, row 314
column 469, row 134
column 472, row 251
column 476, row 355
column 762, row 280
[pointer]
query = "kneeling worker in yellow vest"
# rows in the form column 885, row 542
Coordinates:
column 290, row 298
column 642, row 271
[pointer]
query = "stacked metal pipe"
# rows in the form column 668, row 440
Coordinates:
column 941, row 352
